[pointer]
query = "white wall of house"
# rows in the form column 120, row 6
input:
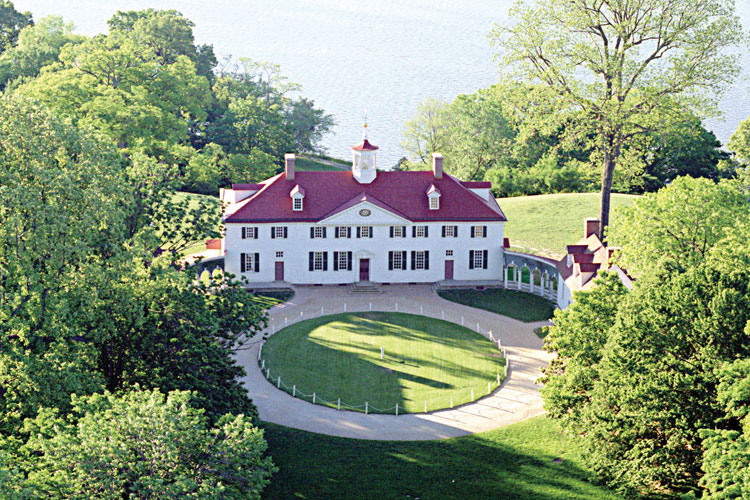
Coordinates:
column 294, row 250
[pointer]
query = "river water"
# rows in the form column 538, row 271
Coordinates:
column 385, row 56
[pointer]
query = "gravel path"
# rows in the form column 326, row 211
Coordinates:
column 515, row 400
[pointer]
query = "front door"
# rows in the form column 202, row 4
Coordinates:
column 279, row 275
column 449, row 269
column 364, row 269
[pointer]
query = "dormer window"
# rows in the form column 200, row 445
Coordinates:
column 297, row 194
column 433, row 195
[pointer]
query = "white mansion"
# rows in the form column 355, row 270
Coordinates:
column 362, row 225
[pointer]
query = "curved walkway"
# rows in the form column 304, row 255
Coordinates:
column 515, row 400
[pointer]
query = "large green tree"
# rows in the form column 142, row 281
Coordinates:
column 617, row 61
column 11, row 24
column 38, row 45
column 141, row 445
column 682, row 221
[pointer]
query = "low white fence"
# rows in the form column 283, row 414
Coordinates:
column 279, row 321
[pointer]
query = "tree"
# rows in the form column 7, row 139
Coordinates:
column 62, row 199
column 726, row 451
column 11, row 24
column 618, row 61
column 479, row 135
column 119, row 87
column 578, row 337
column 427, row 132
column 682, row 221
column 168, row 34
column 739, row 143
column 140, row 445
column 38, row 45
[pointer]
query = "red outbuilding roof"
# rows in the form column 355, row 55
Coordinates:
column 326, row 193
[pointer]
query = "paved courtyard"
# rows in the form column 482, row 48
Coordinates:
column 516, row 399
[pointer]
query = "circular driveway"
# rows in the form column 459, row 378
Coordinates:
column 516, row 399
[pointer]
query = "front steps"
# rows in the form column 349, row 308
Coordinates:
column 365, row 287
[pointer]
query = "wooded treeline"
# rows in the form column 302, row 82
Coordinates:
column 117, row 369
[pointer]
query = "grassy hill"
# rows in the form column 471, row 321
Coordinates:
column 544, row 224
column 532, row 459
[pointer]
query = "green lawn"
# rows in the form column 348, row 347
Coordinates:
column 519, row 305
column 545, row 224
column 310, row 163
column 426, row 359
column 515, row 462
column 270, row 299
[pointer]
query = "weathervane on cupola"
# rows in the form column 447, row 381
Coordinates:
column 363, row 164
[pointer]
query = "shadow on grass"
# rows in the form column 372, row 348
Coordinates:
column 529, row 460
column 337, row 368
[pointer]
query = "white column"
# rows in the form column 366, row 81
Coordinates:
column 505, row 277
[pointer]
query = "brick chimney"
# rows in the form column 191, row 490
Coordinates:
column 289, row 166
column 437, row 165
column 591, row 226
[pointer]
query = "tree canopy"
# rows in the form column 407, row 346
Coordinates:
column 639, row 375
column 618, row 61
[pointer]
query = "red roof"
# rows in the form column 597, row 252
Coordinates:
column 402, row 193
column 477, row 184
column 246, row 187
column 365, row 146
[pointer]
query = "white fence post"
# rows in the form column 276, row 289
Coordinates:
column 498, row 379
column 302, row 315
column 370, row 306
column 425, row 406
column 313, row 398
column 477, row 327
column 339, row 404
column 488, row 388
column 286, row 321
column 397, row 409
column 506, row 368
column 268, row 374
column 472, row 394
column 451, row 401
column 278, row 383
column 294, row 390
column 344, row 306
column 366, row 407
column 263, row 365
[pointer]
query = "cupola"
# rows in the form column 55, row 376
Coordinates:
column 363, row 163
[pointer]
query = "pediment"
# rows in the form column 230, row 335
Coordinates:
column 364, row 213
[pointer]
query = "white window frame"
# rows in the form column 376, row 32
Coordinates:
column 398, row 231
column 249, row 262
column 343, row 260
column 449, row 231
column 318, row 261
column 419, row 260
column 297, row 203
column 279, row 254
column 479, row 231
column 419, row 231
column 251, row 232
column 449, row 253
column 278, row 231
column 398, row 261
column 434, row 203
column 364, row 231
column 342, row 231
column 318, row 232
column 478, row 259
